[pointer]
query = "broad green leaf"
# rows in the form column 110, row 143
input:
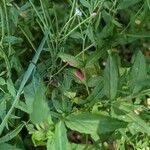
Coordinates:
column 2, row 81
column 127, row 3
column 61, row 141
column 6, row 146
column 29, row 93
column 91, row 123
column 108, row 124
column 138, row 72
column 84, row 123
column 85, row 3
column 40, row 110
column 111, row 77
column 71, row 60
column 50, row 145
column 11, row 134
column 93, row 58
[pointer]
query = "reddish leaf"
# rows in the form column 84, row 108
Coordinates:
column 79, row 74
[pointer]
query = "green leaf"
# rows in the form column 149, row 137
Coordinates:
column 91, row 123
column 3, row 107
column 70, row 94
column 29, row 93
column 111, row 77
column 148, row 3
column 92, row 82
column 72, row 73
column 14, row 14
column 85, row 3
column 108, row 124
column 50, row 145
column 67, row 81
column 61, row 141
column 93, row 58
column 138, row 72
column 127, row 3
column 16, row 64
column 24, row 81
column 91, row 35
column 82, row 146
column 107, row 31
column 71, row 60
column 11, row 88
column 11, row 134
column 2, row 81
column 12, row 39
column 22, row 106
column 83, row 123
column 76, row 35
column 96, row 94
column 6, row 146
column 141, row 125
column 39, row 107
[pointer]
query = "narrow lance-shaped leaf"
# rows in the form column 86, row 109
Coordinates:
column 111, row 77
column 138, row 72
column 61, row 141
column 71, row 60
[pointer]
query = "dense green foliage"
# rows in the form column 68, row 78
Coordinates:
column 74, row 74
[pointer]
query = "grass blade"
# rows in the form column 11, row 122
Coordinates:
column 24, row 81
